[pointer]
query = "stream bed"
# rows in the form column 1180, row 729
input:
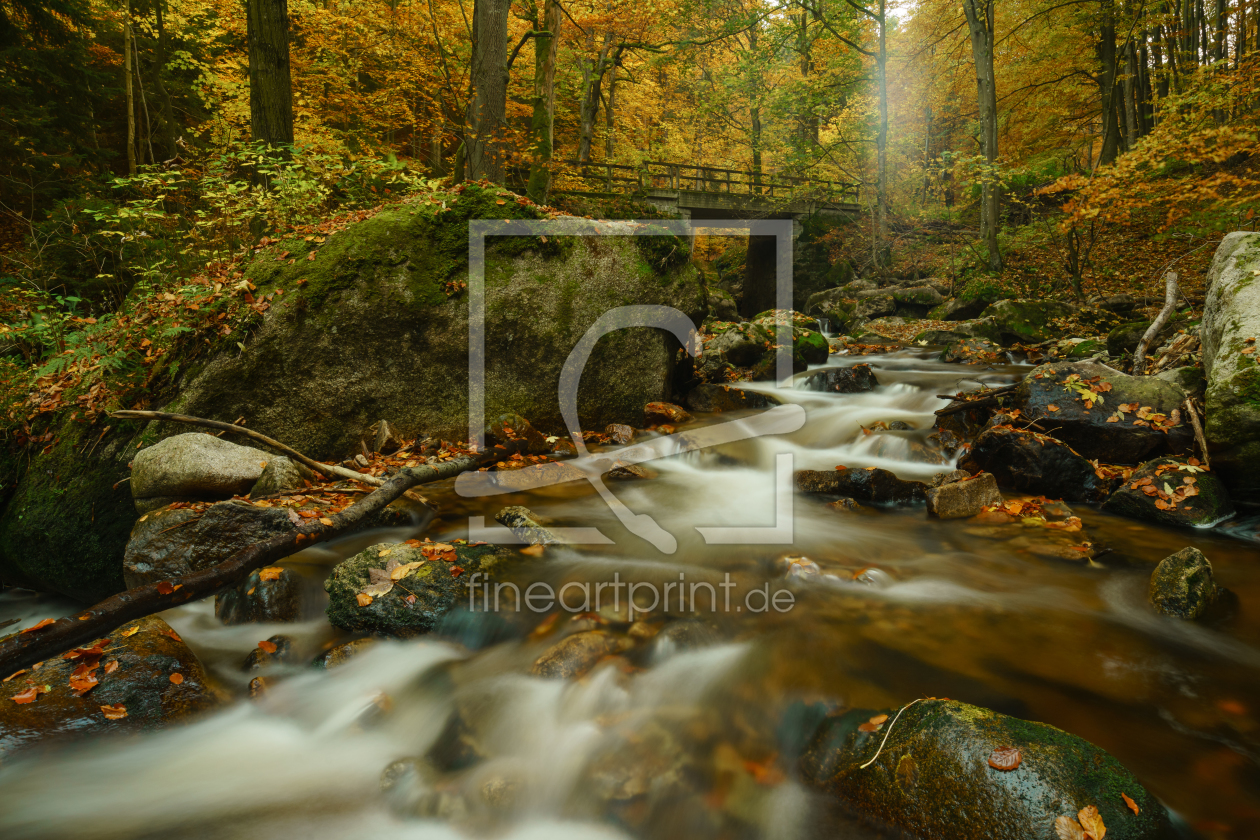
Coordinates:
column 697, row 739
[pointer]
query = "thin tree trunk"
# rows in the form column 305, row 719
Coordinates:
column 542, row 124
column 487, row 107
column 167, row 115
column 131, row 96
column 1106, row 51
column 610, row 109
column 1129, row 90
column 592, row 79
column 270, row 83
column 980, row 23
column 881, row 138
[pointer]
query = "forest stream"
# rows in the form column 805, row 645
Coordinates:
column 706, row 723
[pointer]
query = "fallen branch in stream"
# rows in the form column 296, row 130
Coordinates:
column 1170, row 306
column 984, row 399
column 30, row 646
column 330, row 470
column 1198, row 431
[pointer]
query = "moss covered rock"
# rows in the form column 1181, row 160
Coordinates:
column 1031, row 463
column 1010, row 322
column 70, row 515
column 1172, row 492
column 376, row 325
column 933, row 776
column 418, row 599
column 1231, row 316
column 1182, row 585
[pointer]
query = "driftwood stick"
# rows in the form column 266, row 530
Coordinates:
column 1198, row 431
column 1170, row 306
column 21, row 650
column 325, row 469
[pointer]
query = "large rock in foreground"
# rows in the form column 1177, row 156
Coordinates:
column 142, row 677
column 1182, row 585
column 1032, row 463
column 1104, row 414
column 1231, row 326
column 1172, row 492
column 935, row 777
column 402, row 590
column 192, row 467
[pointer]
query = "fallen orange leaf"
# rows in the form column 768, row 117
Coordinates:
column 1132, row 805
column 1052, row 407
column 131, row 631
column 267, row 647
column 45, row 623
column 1092, row 823
column 1005, row 758
column 270, row 573
column 364, row 600
column 117, row 712
column 177, row 678
column 28, row 696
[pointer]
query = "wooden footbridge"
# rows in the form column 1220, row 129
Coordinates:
column 710, row 192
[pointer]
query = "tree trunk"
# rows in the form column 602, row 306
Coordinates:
column 881, row 137
column 592, row 79
column 131, row 96
column 1106, row 51
column 487, row 107
column 610, row 109
column 167, row 115
column 1129, row 91
column 270, row 85
column 542, row 125
column 980, row 23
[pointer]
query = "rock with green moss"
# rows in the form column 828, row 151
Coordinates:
column 1087, row 348
column 917, row 301
column 377, row 325
column 395, row 589
column 836, row 305
column 1172, row 492
column 1231, row 316
column 1189, row 379
column 1182, row 585
column 1010, row 322
column 1081, row 401
column 938, row 338
column 1124, row 338
column 934, row 778
column 69, row 517
column 743, row 345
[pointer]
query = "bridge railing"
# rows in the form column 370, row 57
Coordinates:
column 618, row 177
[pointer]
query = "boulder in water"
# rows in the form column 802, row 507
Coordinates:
column 1182, row 585
column 273, row 594
column 1172, row 492
column 871, row 485
column 576, row 654
column 715, row 398
column 620, row 433
column 660, row 413
column 845, row 380
column 742, row 345
column 1231, row 326
column 141, row 678
column 950, row 771
column 1032, row 463
column 193, row 466
column 281, row 475
column 402, row 590
column 961, row 499
column 1104, row 414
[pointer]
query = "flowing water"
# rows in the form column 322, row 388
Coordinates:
column 698, row 739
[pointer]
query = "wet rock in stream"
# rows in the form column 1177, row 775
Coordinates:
column 847, row 380
column 276, row 650
column 403, row 590
column 271, row 594
column 872, row 485
column 1032, row 463
column 525, row 525
column 964, row 498
column 578, row 653
column 715, row 398
column 140, row 678
column 935, row 775
column 1172, row 492
column 1182, row 585
column 659, row 413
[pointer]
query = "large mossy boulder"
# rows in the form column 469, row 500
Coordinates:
column 1231, row 326
column 1182, row 585
column 935, row 775
column 1010, row 322
column 1082, row 402
column 377, row 325
column 401, row 590
column 69, row 517
column 836, row 305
